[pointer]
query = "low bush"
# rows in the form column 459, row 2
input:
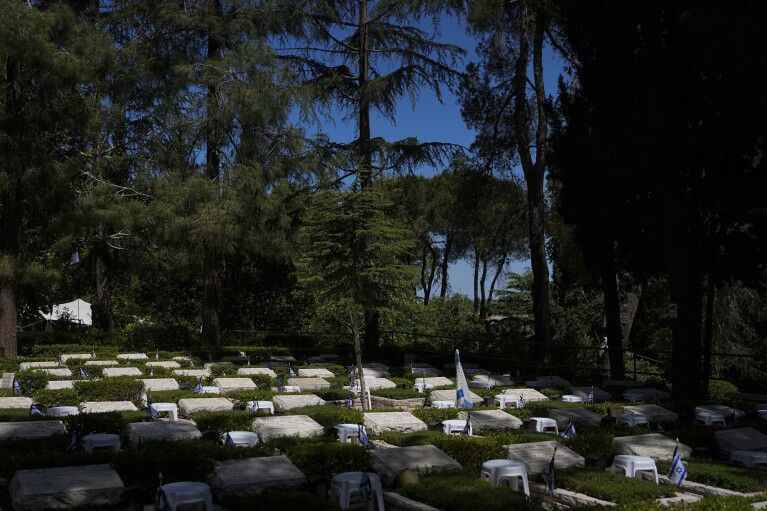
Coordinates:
column 87, row 423
column 117, row 388
column 226, row 371
column 262, row 381
column 396, row 393
column 46, row 452
column 593, row 441
column 706, row 504
column 19, row 415
column 330, row 458
column 336, row 394
column 329, row 416
column 221, row 422
column 611, row 486
column 32, row 381
column 62, row 397
column 435, row 415
column 168, row 396
column 716, row 474
column 408, row 439
column 471, row 452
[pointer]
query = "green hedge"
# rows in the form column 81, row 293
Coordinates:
column 396, row 393
column 110, row 422
column 435, row 415
column 471, row 452
column 329, row 416
column 32, row 381
column 221, row 422
column 117, row 388
column 329, row 458
column 63, row 397
column 281, row 500
column 706, row 504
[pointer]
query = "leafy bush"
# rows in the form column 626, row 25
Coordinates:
column 465, row 491
column 117, row 388
column 720, row 389
column 611, row 486
column 222, row 371
column 706, row 504
column 32, row 381
column 409, row 439
column 329, row 416
column 262, row 381
column 332, row 394
column 435, row 415
column 280, row 500
column 63, row 397
column 109, row 422
column 221, row 422
column 46, row 452
column 327, row 459
column 593, row 441
column 720, row 475
column 168, row 396
column 471, row 452
column 397, row 393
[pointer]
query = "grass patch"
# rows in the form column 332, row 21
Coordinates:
column 720, row 475
column 611, row 486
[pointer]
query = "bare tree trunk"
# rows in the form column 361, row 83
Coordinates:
column 476, row 280
column 445, row 264
column 358, row 356
column 106, row 319
column 612, row 315
column 628, row 312
column 708, row 338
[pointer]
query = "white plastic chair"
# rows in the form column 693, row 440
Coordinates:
column 546, row 425
column 512, row 474
column 630, row 465
column 710, row 419
column 187, row 492
column 346, row 484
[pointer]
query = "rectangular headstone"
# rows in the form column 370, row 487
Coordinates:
column 436, row 381
column 167, row 364
column 741, row 439
column 375, row 372
column 529, row 395
column 234, row 384
column 65, row 488
column 204, row 404
column 537, row 455
column 60, row 384
column 282, row 358
column 26, row 366
column 564, row 416
column 101, row 363
column 17, row 402
column 108, row 406
column 208, row 365
column 654, row 412
column 288, row 425
column 379, row 383
column 491, row 420
column 249, row 371
column 583, row 392
column 132, row 356
column 309, row 383
column 652, row 445
column 315, row 373
column 388, row 463
column 30, row 429
column 494, row 380
column 645, row 394
column 68, row 356
column 56, row 371
column 251, row 476
column 6, row 382
column 556, row 381
column 449, row 395
column 159, row 384
column 161, row 431
column 726, row 411
column 121, row 371
column 400, row 422
column 291, row 401
column 191, row 372
column 375, row 365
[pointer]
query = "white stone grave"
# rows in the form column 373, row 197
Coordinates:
column 309, row 383
column 577, row 416
column 289, row 425
column 108, row 406
column 553, row 380
column 26, row 366
column 537, row 455
column 583, row 393
column 167, row 364
column 191, row 372
column 249, row 477
column 654, row 412
column 132, row 356
column 491, row 420
column 379, row 383
column 494, row 380
column 652, row 445
column 726, row 411
column 400, row 422
column 60, row 384
column 291, row 401
column 30, row 429
column 162, row 431
column 389, row 463
column 282, row 358
column 101, row 363
column 449, row 395
column 529, row 395
column 375, row 372
column 66, row 487
column 121, row 371
column 61, row 372
column 204, row 404
column 435, row 381
column 6, row 382
column 159, row 384
column 69, row 356
column 741, row 439
column 16, row 402
column 315, row 373
column 234, row 384
column 249, row 371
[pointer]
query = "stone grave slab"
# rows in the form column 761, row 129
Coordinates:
column 553, row 380
column 26, row 366
column 583, row 392
column 645, row 394
column 436, row 381
column 491, row 420
column 291, row 401
column 233, row 384
column 161, row 431
column 121, row 371
column 30, row 429
column 375, row 372
column 654, row 412
column 653, row 445
column 159, row 384
column 61, row 372
column 167, row 364
column 741, row 439
column 204, row 404
column 401, row 422
column 6, row 382
column 319, row 372
column 101, row 363
column 537, row 455
column 564, row 416
column 237, row 359
column 449, row 395
column 270, row 365
column 132, row 356
column 60, row 384
column 726, row 411
column 68, row 356
column 494, row 380
column 529, row 395
column 249, row 371
column 16, row 402
column 379, row 383
column 375, row 365
column 309, row 383
column 282, row 358
column 65, row 488
column 388, row 463
column 288, row 425
column 208, row 365
column 251, row 476
column 191, row 372
column 108, row 406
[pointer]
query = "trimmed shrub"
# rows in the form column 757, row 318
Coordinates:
column 409, row 439
column 722, row 476
column 471, row 452
column 329, row 416
column 32, row 381
column 222, row 371
column 593, row 441
column 108, row 422
column 327, row 459
column 435, row 415
column 221, row 422
column 117, row 388
column 281, row 500
column 397, row 393
column 336, row 394
column 63, row 397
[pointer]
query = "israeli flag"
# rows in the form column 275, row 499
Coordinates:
column 93, row 354
column 590, row 397
column 363, row 435
column 254, row 407
column 350, row 404
column 82, row 373
column 462, row 390
column 16, row 386
column 366, row 488
column 191, row 362
column 198, row 388
column 157, row 355
column 569, row 431
column 521, row 402
column 281, row 385
column 75, row 257
column 34, row 410
column 151, row 372
column 291, row 372
column 468, row 430
column 677, row 473
column 72, row 447
column 549, row 477
column 229, row 440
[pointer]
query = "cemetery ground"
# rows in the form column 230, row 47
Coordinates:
column 290, row 403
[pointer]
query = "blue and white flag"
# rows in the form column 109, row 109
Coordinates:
column 549, row 477
column 93, row 354
column 16, row 386
column 677, row 473
column 363, row 435
column 291, row 372
column 462, row 388
column 521, row 402
column 72, row 447
column 229, row 440
column 151, row 372
column 157, row 355
column 153, row 413
column 366, row 488
column 468, row 430
column 350, row 404
column 569, row 431
column 34, row 410
column 198, row 388
column 590, row 397
column 75, row 259
column 191, row 362
column 162, row 501
column 82, row 373
column 254, row 407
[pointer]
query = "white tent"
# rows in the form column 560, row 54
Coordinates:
column 77, row 311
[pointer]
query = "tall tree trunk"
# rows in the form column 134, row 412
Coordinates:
column 629, row 309
column 445, row 264
column 708, row 338
column 476, row 280
column 358, row 356
column 427, row 281
column 612, row 314
column 534, row 170
column 104, row 314
column 482, row 295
